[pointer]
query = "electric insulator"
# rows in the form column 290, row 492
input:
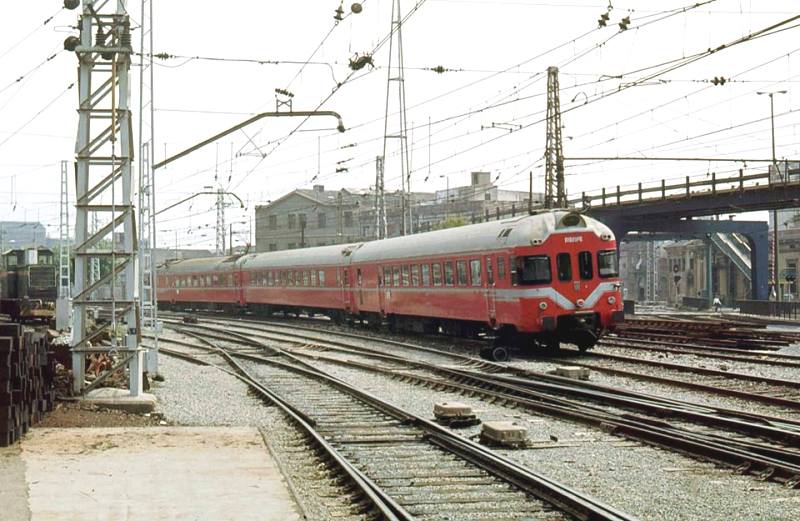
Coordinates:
column 100, row 38
column 71, row 43
column 356, row 8
column 623, row 25
column 71, row 4
column 125, row 39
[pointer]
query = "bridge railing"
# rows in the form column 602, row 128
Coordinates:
column 664, row 189
column 770, row 308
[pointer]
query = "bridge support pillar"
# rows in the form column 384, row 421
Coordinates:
column 756, row 232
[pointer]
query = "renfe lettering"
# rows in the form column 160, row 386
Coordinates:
column 573, row 239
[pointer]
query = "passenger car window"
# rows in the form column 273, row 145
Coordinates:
column 448, row 273
column 475, row 271
column 437, row 274
column 501, row 268
column 461, row 270
column 396, row 275
column 585, row 265
column 405, row 275
column 415, row 274
column 387, row 276
column 607, row 264
column 564, row 266
column 489, row 271
column 534, row 269
column 426, row 275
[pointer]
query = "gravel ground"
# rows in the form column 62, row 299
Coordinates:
column 647, row 482
column 226, row 401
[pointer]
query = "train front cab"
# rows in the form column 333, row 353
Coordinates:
column 568, row 288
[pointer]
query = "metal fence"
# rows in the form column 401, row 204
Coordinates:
column 770, row 308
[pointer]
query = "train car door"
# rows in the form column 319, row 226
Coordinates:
column 346, row 293
column 491, row 306
column 360, row 283
column 382, row 282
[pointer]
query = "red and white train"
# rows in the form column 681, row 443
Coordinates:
column 538, row 279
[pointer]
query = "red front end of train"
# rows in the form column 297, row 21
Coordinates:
column 542, row 279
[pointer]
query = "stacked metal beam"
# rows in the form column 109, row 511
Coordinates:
column 26, row 381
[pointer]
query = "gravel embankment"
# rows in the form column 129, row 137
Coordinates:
column 647, row 482
column 195, row 395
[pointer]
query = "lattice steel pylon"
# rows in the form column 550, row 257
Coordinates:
column 380, row 200
column 104, row 153
column 148, row 299
column 398, row 76
column 220, row 249
column 554, row 193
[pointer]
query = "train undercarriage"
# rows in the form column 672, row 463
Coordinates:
column 582, row 330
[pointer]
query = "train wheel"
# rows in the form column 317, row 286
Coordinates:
column 495, row 353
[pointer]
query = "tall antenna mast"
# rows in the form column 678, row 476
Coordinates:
column 396, row 75
column 554, row 195
column 380, row 200
column 63, row 308
column 220, row 249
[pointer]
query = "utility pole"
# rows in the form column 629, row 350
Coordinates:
column 230, row 240
column 554, row 195
column 148, row 299
column 63, row 304
column 220, row 248
column 776, row 244
column 380, row 200
column 104, row 154
column 530, row 192
column 397, row 75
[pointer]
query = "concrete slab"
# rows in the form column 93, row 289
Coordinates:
column 153, row 473
column 13, row 487
column 121, row 399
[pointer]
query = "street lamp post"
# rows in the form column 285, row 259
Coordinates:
column 776, row 244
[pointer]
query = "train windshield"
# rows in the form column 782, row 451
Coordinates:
column 534, row 270
column 607, row 263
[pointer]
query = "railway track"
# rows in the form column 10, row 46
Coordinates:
column 405, row 467
column 728, row 437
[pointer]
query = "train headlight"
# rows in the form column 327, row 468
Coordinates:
column 612, row 300
column 580, row 302
column 542, row 305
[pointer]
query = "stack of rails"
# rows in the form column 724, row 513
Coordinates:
column 26, row 381
column 710, row 332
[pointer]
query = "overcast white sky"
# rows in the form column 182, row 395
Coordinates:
column 496, row 51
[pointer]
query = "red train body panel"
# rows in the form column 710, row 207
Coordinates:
column 548, row 277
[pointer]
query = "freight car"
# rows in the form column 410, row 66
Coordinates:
column 539, row 280
column 28, row 284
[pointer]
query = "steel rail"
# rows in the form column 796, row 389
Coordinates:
column 526, row 373
column 388, row 508
column 561, row 496
column 762, row 460
column 661, row 347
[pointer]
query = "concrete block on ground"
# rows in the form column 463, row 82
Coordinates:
column 121, row 399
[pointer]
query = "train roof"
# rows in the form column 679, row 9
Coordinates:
column 200, row 264
column 335, row 255
column 526, row 230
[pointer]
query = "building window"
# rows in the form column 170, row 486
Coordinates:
column 348, row 219
column 292, row 221
column 461, row 269
column 273, row 222
column 273, row 246
column 487, row 197
column 292, row 245
column 475, row 271
column 322, row 220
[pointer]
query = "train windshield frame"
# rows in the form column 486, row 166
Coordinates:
column 534, row 269
column 607, row 264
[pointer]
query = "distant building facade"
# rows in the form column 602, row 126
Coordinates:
column 18, row 234
column 319, row 217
